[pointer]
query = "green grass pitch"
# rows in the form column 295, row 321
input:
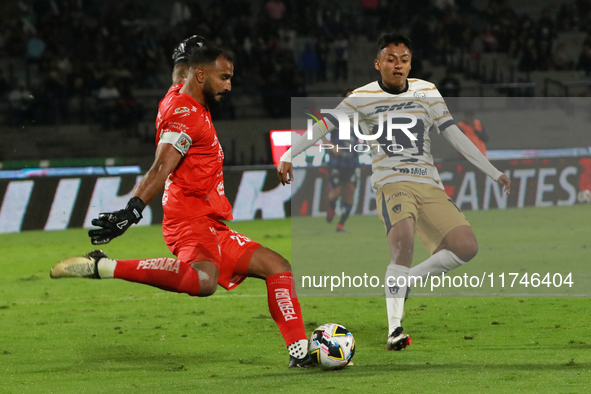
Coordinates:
column 83, row 336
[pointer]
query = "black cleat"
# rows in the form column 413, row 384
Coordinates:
column 305, row 362
column 398, row 340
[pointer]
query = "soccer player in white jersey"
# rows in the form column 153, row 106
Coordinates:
column 410, row 195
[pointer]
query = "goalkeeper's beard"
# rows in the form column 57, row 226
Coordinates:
column 212, row 100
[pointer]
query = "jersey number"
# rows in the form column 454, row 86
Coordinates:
column 241, row 239
column 400, row 138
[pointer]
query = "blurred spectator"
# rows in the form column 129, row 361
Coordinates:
column 341, row 54
column 584, row 62
column 131, row 112
column 77, row 43
column 371, row 15
column 308, row 63
column 527, row 57
column 108, row 105
column 19, row 104
column 561, row 59
column 472, row 128
column 180, row 13
column 35, row 48
column 4, row 85
column 275, row 9
column 449, row 86
column 322, row 51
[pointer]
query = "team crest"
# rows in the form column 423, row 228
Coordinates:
column 419, row 94
column 180, row 110
column 397, row 208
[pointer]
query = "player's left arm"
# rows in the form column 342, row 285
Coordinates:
column 463, row 145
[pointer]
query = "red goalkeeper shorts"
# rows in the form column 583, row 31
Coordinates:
column 211, row 240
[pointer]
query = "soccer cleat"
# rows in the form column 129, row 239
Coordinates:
column 330, row 214
column 341, row 228
column 397, row 340
column 79, row 266
column 305, row 362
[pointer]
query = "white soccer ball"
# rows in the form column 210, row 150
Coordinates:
column 584, row 196
column 331, row 346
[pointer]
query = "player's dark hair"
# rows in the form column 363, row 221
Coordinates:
column 206, row 54
column 393, row 38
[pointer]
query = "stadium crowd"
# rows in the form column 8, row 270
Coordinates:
column 98, row 54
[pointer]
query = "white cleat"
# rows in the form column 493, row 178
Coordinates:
column 78, row 267
column 397, row 340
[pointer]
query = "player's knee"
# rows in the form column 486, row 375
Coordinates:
column 208, row 279
column 468, row 250
column 281, row 265
column 207, row 289
column 207, row 286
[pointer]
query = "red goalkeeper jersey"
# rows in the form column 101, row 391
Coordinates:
column 196, row 187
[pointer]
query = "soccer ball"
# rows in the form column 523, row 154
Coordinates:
column 331, row 346
column 584, row 196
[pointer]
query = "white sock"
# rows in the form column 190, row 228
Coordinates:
column 106, row 268
column 440, row 262
column 396, row 275
column 298, row 349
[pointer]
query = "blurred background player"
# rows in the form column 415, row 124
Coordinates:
column 188, row 165
column 343, row 170
column 409, row 191
column 473, row 129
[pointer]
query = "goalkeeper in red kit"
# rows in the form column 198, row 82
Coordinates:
column 188, row 165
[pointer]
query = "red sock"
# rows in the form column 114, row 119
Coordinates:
column 164, row 272
column 285, row 308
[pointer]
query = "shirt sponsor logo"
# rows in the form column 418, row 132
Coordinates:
column 285, row 305
column 178, row 126
column 220, row 188
column 180, row 110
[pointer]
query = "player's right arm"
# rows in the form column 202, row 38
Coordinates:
column 284, row 169
column 115, row 224
column 167, row 159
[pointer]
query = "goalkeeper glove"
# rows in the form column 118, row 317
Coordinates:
column 116, row 223
column 182, row 51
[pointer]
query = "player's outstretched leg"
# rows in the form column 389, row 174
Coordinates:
column 457, row 248
column 170, row 274
column 283, row 303
column 78, row 267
